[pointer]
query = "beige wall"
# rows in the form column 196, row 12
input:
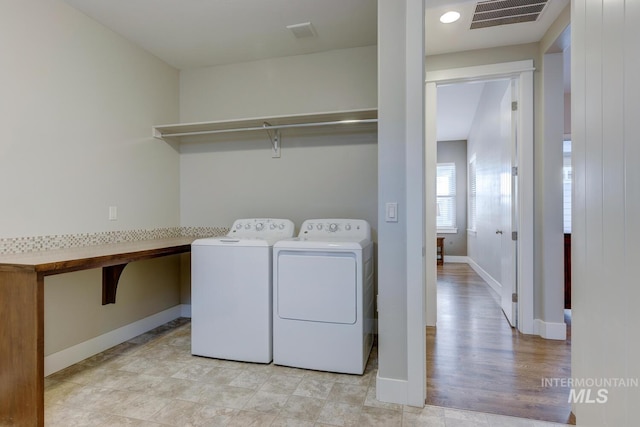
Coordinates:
column 73, row 302
column 76, row 111
column 321, row 173
column 329, row 81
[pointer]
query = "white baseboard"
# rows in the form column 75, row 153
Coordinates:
column 185, row 310
column 69, row 356
column 549, row 330
column 391, row 390
column 495, row 285
column 456, row 259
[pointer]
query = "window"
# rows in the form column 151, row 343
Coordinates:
column 446, row 198
column 566, row 185
column 472, row 194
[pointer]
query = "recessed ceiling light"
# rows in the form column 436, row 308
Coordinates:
column 449, row 17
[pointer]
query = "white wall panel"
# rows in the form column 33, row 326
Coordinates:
column 613, row 208
column 605, row 109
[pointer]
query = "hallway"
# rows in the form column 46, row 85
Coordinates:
column 476, row 361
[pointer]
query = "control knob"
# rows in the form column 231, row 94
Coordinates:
column 347, row 227
column 259, row 226
column 272, row 226
column 319, row 226
column 333, row 227
column 281, row 226
column 238, row 226
column 310, row 227
column 247, row 226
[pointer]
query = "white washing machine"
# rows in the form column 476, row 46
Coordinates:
column 231, row 291
column 323, row 297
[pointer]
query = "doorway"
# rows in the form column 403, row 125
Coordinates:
column 521, row 73
column 476, row 133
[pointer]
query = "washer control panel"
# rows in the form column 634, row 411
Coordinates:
column 262, row 227
column 332, row 227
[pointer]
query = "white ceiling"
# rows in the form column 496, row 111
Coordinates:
column 199, row 33
column 457, row 37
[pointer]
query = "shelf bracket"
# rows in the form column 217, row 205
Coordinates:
column 110, row 278
column 275, row 140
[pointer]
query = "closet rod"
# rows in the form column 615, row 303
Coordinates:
column 274, row 127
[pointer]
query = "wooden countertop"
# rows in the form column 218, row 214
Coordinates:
column 58, row 261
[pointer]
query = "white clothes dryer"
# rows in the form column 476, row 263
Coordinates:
column 323, row 297
column 231, row 291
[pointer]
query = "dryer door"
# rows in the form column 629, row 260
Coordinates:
column 317, row 286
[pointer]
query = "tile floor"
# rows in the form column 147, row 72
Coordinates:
column 152, row 380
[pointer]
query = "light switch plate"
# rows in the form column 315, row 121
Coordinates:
column 391, row 212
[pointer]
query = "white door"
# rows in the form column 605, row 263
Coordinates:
column 508, row 197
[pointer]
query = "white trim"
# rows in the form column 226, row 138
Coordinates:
column 456, row 259
column 447, row 230
column 480, row 72
column 495, row 285
column 391, row 390
column 185, row 310
column 430, row 198
column 416, row 240
column 523, row 70
column 549, row 330
column 69, row 356
column 525, row 244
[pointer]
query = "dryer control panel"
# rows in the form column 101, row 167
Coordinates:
column 340, row 228
column 262, row 227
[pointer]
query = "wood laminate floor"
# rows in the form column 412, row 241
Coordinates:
column 476, row 361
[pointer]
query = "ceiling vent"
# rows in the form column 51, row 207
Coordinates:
column 492, row 13
column 302, row 30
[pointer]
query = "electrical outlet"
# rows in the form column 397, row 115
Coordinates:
column 113, row 213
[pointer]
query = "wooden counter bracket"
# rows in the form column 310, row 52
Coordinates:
column 110, row 278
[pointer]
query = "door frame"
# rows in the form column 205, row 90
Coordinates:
column 523, row 71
